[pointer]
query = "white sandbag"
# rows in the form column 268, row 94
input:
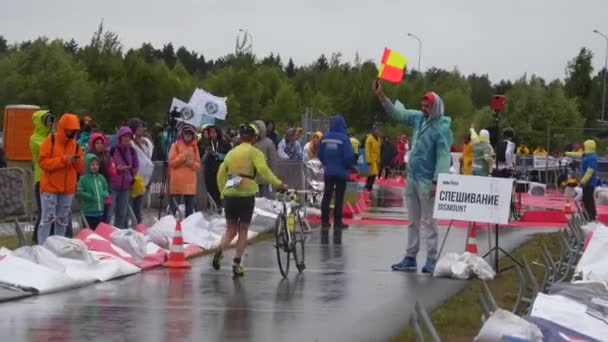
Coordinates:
column 132, row 242
column 166, row 224
column 120, row 266
column 570, row 314
column 159, row 238
column 41, row 256
column 478, row 266
column 81, row 271
column 592, row 227
column 218, row 226
column 503, row 323
column 161, row 232
column 461, row 270
column 592, row 265
column 196, row 220
column 23, row 273
column 443, row 268
column 69, row 248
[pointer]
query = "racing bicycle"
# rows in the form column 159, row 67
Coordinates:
column 289, row 232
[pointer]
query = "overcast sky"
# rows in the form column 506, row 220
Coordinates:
column 501, row 38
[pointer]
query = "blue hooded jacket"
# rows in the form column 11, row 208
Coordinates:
column 335, row 150
column 430, row 145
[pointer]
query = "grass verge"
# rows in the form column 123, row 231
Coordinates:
column 459, row 318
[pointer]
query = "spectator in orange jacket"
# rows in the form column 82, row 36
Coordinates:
column 184, row 161
column 61, row 159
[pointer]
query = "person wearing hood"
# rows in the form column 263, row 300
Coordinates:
column 466, row 161
column 310, row 149
column 483, row 153
column 429, row 156
column 388, row 151
column 336, row 154
column 290, row 148
column 92, row 191
column 590, row 179
column 372, row 156
column 272, row 133
column 127, row 166
column 184, row 163
column 269, row 149
column 144, row 149
column 61, row 160
column 43, row 124
column 212, row 151
column 540, row 151
column 98, row 145
column 87, row 127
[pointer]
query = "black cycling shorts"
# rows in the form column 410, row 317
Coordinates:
column 239, row 209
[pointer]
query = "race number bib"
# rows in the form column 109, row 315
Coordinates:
column 234, row 182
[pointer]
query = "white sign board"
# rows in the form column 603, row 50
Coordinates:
column 472, row 198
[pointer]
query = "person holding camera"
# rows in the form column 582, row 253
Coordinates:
column 212, row 151
column 61, row 160
column 430, row 156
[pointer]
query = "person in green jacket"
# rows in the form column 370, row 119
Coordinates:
column 483, row 153
column 236, row 179
column 92, row 191
column 43, row 123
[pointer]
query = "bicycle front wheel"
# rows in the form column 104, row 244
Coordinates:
column 298, row 241
column 282, row 245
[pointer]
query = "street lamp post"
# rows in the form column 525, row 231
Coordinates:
column 419, row 48
column 605, row 71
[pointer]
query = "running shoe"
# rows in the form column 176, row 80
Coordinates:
column 217, row 259
column 429, row 267
column 238, row 270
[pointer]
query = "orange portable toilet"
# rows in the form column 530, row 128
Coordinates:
column 18, row 128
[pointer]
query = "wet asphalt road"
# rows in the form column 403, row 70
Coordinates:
column 347, row 293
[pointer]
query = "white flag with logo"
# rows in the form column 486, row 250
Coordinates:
column 205, row 103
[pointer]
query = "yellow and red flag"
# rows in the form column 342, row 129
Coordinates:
column 392, row 66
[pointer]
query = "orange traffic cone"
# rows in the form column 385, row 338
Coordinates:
column 177, row 258
column 472, row 240
column 568, row 207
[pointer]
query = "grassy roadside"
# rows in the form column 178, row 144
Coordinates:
column 459, row 318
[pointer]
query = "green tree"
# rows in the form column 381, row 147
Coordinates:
column 579, row 86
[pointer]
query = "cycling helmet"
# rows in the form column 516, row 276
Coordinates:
column 247, row 130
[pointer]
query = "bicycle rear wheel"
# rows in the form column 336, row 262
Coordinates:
column 298, row 241
column 282, row 245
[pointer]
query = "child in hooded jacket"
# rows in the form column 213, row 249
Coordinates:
column 92, row 191
column 184, row 162
column 98, row 145
column 127, row 165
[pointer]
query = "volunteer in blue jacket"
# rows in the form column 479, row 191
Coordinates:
column 429, row 156
column 336, row 154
